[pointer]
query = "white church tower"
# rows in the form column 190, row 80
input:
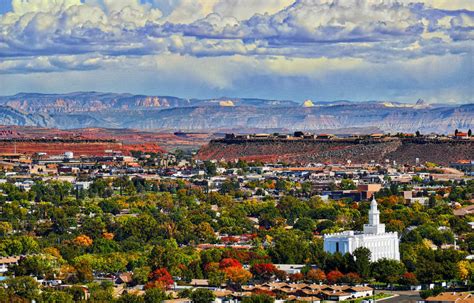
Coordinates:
column 380, row 243
column 374, row 226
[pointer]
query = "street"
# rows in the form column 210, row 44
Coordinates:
column 403, row 297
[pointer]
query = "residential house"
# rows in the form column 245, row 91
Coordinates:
column 451, row 297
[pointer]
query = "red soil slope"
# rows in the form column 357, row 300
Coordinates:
column 131, row 139
column 86, row 148
column 307, row 151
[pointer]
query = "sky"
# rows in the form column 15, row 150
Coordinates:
column 390, row 50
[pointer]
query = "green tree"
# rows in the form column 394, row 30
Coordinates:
column 387, row 271
column 168, row 255
column 288, row 247
column 202, row 295
column 155, row 295
column 305, row 224
column 130, row 298
column 55, row 296
column 211, row 168
column 5, row 228
column 41, row 266
column 347, row 184
column 24, row 287
column 262, row 298
column 292, row 208
column 362, row 261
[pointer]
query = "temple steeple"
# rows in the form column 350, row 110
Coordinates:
column 374, row 214
column 374, row 226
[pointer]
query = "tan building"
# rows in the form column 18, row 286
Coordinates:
column 451, row 297
column 367, row 191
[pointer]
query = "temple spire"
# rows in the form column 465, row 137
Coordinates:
column 374, row 226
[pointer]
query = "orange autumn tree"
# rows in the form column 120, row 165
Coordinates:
column 83, row 240
column 334, row 276
column 108, row 236
column 234, row 271
column 237, row 275
column 316, row 275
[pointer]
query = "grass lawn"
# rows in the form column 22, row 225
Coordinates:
column 377, row 297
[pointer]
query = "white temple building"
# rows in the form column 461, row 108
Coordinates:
column 380, row 243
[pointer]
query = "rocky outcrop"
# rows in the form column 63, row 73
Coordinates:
column 404, row 151
column 77, row 110
column 11, row 116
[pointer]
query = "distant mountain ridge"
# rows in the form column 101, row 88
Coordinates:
column 112, row 110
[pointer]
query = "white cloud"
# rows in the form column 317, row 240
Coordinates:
column 451, row 4
column 222, row 43
column 21, row 7
column 370, row 29
column 244, row 9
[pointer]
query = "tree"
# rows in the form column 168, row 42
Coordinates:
column 55, row 296
column 258, row 298
column 456, row 132
column 351, row 278
column 216, row 278
column 38, row 265
column 205, row 232
column 289, row 247
column 154, row 295
column 237, row 275
column 229, row 262
column 5, row 229
column 159, row 278
column 25, row 287
column 469, row 132
column 167, row 255
column 130, row 298
column 465, row 270
column 334, row 276
column 431, row 292
column 296, row 277
column 83, row 240
column 83, row 271
column 202, row 295
column 362, row 261
column 387, row 271
column 110, row 206
column 211, row 168
column 418, row 134
column 316, row 275
column 347, row 184
column 140, row 274
column 263, row 271
column 408, row 278
column 305, row 224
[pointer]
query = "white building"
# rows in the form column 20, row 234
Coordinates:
column 381, row 244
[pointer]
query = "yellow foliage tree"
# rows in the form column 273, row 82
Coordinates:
column 53, row 251
column 465, row 269
column 237, row 274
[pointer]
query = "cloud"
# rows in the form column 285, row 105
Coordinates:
column 21, row 7
column 296, row 41
column 370, row 29
column 270, row 77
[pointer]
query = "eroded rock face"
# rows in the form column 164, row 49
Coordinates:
column 77, row 110
column 308, row 151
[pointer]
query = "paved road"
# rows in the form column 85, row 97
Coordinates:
column 403, row 297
